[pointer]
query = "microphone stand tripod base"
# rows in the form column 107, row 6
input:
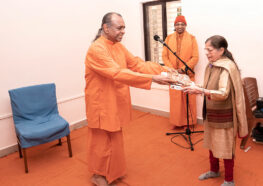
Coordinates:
column 187, row 132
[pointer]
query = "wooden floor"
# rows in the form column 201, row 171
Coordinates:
column 152, row 160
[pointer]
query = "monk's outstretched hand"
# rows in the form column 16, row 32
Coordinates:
column 163, row 80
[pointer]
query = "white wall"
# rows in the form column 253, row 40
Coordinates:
column 240, row 22
column 46, row 41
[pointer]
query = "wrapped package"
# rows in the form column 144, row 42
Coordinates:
column 179, row 80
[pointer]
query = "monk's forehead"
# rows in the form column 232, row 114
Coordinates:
column 117, row 20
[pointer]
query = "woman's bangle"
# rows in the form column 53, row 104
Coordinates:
column 203, row 90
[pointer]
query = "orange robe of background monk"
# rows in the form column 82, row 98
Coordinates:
column 185, row 46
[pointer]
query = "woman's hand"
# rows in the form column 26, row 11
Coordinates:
column 193, row 89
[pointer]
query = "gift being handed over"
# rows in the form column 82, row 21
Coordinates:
column 178, row 79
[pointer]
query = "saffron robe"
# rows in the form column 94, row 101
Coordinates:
column 186, row 48
column 110, row 69
column 106, row 154
column 221, row 141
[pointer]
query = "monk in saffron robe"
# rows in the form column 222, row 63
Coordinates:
column 185, row 46
column 224, row 109
column 110, row 70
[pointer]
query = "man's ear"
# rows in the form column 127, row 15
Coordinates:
column 105, row 28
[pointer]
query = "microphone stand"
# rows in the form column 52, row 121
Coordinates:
column 188, row 132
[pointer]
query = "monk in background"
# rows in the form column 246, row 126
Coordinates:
column 110, row 70
column 185, row 46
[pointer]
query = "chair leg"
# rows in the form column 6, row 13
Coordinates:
column 244, row 140
column 69, row 146
column 25, row 160
column 59, row 142
column 19, row 150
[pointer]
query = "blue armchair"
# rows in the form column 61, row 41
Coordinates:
column 36, row 117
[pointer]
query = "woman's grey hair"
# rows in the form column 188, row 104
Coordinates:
column 218, row 42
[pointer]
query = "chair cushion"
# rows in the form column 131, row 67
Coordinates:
column 31, row 133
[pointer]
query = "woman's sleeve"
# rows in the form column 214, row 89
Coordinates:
column 223, row 87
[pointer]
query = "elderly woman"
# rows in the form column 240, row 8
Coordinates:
column 223, row 109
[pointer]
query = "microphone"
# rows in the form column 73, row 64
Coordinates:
column 157, row 38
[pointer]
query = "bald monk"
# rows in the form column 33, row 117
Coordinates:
column 110, row 70
column 185, row 46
